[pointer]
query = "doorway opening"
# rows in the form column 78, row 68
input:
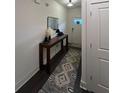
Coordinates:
column 74, row 26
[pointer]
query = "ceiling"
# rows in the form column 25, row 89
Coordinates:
column 65, row 2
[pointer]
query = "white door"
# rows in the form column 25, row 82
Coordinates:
column 73, row 30
column 98, row 47
column 76, row 34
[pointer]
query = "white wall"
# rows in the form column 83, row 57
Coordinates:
column 84, row 14
column 31, row 23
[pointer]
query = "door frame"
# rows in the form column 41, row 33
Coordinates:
column 85, row 10
column 73, row 33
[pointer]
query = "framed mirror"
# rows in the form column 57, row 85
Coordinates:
column 52, row 22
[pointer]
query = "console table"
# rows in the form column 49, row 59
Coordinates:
column 48, row 45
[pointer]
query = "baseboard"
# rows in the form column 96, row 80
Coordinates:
column 83, row 85
column 74, row 45
column 20, row 83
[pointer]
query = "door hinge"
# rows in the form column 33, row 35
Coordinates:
column 91, row 45
column 90, row 13
column 91, row 78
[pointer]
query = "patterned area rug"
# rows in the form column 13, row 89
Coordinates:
column 63, row 78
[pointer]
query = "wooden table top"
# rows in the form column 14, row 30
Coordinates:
column 53, row 41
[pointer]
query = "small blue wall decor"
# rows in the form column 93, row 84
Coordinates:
column 78, row 21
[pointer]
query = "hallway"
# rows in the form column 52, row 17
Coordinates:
column 62, row 80
column 47, row 84
column 62, row 46
column 44, row 28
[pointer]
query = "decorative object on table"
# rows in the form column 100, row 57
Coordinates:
column 59, row 33
column 48, row 35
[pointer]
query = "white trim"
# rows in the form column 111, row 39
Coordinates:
column 83, row 81
column 102, row 86
column 75, row 45
column 97, row 1
column 83, row 85
column 20, row 83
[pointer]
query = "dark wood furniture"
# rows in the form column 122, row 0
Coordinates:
column 48, row 45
